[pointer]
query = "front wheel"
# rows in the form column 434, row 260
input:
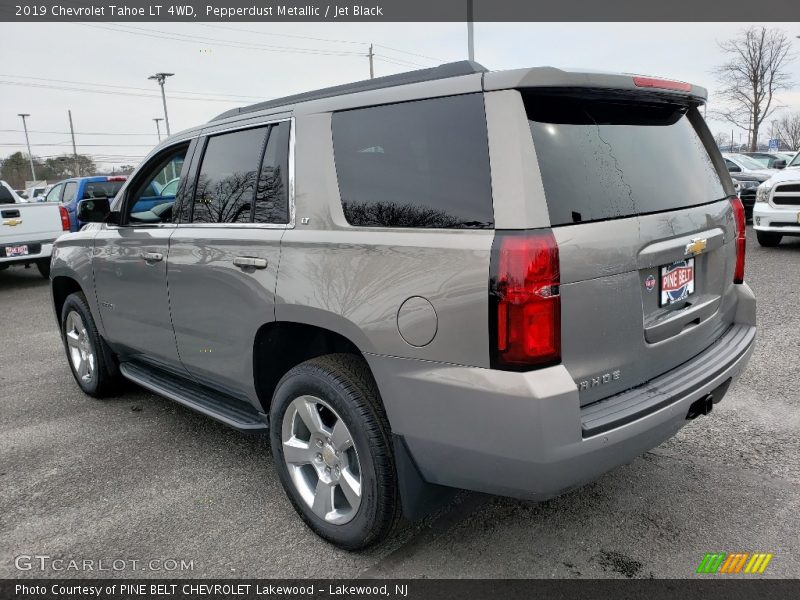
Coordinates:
column 767, row 239
column 84, row 346
column 332, row 447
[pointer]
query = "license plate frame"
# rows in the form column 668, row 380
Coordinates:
column 676, row 281
column 19, row 250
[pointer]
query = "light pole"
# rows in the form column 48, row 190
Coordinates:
column 28, row 143
column 158, row 129
column 470, row 31
column 161, row 78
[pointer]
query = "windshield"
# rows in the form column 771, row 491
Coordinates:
column 747, row 162
column 611, row 158
column 796, row 161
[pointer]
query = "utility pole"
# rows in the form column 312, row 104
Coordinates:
column 470, row 31
column 158, row 129
column 371, row 69
column 28, row 143
column 161, row 78
column 74, row 149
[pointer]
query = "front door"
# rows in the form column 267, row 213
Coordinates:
column 130, row 266
column 223, row 260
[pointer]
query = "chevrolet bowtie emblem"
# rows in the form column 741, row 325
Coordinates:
column 12, row 222
column 695, row 246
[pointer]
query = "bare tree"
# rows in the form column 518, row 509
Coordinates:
column 754, row 72
column 788, row 130
column 721, row 139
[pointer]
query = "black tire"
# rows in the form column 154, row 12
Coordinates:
column 344, row 382
column 767, row 239
column 44, row 267
column 105, row 378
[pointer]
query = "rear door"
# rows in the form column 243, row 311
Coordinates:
column 644, row 228
column 223, row 261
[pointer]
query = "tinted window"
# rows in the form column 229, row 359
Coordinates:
column 70, row 189
column 604, row 158
column 417, row 164
column 6, row 197
column 272, row 190
column 227, row 180
column 102, row 189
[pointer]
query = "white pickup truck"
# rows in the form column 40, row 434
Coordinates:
column 27, row 230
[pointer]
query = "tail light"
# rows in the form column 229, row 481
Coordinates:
column 525, row 306
column 116, row 178
column 663, row 84
column 741, row 239
column 64, row 218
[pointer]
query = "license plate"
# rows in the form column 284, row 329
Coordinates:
column 16, row 250
column 676, row 281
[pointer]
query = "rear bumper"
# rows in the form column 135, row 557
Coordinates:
column 783, row 220
column 44, row 252
column 525, row 434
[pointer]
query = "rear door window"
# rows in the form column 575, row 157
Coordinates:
column 611, row 157
column 226, row 184
column 272, row 189
column 415, row 164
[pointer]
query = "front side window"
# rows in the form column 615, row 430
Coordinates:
column 226, row 184
column 149, row 201
column 54, row 195
column 422, row 164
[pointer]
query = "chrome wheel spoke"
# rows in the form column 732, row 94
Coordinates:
column 79, row 347
column 323, row 499
column 307, row 411
column 296, row 452
column 351, row 488
column 341, row 438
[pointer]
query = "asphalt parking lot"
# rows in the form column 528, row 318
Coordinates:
column 140, row 478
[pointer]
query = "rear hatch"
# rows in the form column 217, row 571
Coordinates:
column 644, row 228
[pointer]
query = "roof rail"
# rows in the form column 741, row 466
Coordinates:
column 444, row 71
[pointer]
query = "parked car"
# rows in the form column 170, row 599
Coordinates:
column 412, row 285
column 776, row 212
column 71, row 191
column 27, row 231
column 745, row 185
column 35, row 193
column 769, row 160
column 741, row 163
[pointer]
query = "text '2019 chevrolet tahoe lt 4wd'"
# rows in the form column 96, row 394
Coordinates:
column 449, row 278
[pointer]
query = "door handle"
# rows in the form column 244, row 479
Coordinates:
column 245, row 262
column 152, row 256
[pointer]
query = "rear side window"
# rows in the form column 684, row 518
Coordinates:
column 102, row 189
column 272, row 189
column 6, row 197
column 416, row 164
column 227, row 180
column 611, row 157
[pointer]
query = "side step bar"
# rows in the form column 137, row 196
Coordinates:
column 221, row 407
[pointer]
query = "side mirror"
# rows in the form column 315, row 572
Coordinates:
column 779, row 164
column 734, row 169
column 96, row 210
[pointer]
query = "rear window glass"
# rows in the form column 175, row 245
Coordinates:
column 417, row 164
column 606, row 158
column 101, row 189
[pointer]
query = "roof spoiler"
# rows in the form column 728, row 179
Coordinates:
column 444, row 71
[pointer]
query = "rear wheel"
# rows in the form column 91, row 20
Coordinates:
column 87, row 357
column 44, row 267
column 767, row 239
column 332, row 448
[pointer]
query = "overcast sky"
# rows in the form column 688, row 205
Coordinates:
column 213, row 75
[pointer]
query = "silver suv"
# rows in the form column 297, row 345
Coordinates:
column 449, row 278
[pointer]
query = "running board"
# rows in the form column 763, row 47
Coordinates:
column 221, row 407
